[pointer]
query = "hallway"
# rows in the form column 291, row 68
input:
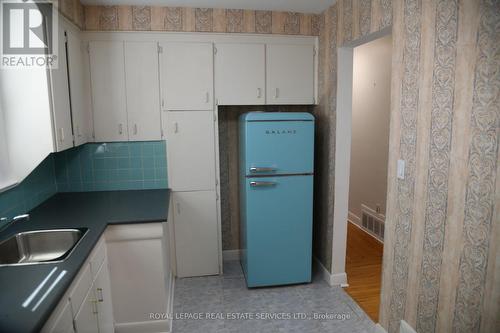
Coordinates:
column 363, row 268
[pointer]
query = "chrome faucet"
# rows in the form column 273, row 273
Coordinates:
column 14, row 219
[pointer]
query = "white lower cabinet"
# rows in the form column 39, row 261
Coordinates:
column 62, row 319
column 137, row 274
column 126, row 278
column 102, row 289
column 196, row 241
column 85, row 320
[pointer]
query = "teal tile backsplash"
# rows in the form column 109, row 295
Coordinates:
column 90, row 167
column 112, row 166
column 32, row 191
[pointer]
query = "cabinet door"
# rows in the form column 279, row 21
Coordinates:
column 61, row 321
column 143, row 91
column 290, row 74
column 102, row 289
column 196, row 242
column 78, row 69
column 137, row 274
column 108, row 91
column 240, row 74
column 190, row 150
column 60, row 98
column 86, row 317
column 187, row 76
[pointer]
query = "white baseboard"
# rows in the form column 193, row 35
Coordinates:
column 332, row 279
column 353, row 218
column 360, row 227
column 229, row 255
column 379, row 329
column 406, row 328
column 152, row 326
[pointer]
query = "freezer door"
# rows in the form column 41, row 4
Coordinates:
column 278, row 230
column 278, row 147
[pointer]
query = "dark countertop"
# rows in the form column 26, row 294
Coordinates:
column 92, row 210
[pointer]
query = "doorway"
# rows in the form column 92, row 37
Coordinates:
column 362, row 141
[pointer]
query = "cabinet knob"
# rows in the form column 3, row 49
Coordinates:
column 120, row 129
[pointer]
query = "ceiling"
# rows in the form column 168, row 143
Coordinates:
column 302, row 6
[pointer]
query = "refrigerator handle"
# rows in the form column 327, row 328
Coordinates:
column 262, row 184
column 262, row 169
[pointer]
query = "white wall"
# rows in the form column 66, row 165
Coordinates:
column 370, row 125
column 24, row 99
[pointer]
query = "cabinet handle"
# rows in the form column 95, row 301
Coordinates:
column 276, row 92
column 207, row 97
column 178, row 206
column 120, row 129
column 135, row 129
column 259, row 93
column 99, row 295
column 176, row 127
column 61, row 134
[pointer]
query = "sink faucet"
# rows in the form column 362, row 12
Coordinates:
column 14, row 219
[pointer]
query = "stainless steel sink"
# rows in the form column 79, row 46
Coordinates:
column 40, row 246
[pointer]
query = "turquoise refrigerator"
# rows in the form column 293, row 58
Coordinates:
column 276, row 197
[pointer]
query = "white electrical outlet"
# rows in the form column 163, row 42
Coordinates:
column 401, row 169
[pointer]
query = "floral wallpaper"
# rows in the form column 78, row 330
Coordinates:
column 440, row 269
column 148, row 18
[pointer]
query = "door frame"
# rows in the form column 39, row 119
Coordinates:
column 343, row 138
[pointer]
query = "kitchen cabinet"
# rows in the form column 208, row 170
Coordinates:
column 102, row 290
column 240, row 72
column 187, row 76
column 108, row 91
column 60, row 97
column 190, row 150
column 196, row 240
column 137, row 270
column 142, row 91
column 85, row 320
column 62, row 321
column 79, row 84
column 87, row 305
column 289, row 74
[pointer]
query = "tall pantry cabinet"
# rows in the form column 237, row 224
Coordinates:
column 188, row 123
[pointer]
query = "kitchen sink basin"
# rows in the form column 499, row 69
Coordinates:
column 40, row 246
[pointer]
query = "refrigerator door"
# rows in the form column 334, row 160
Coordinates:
column 280, row 146
column 277, row 228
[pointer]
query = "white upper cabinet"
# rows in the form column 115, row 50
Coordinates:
column 290, row 74
column 79, row 83
column 240, row 71
column 60, row 98
column 190, row 150
column 187, row 76
column 108, row 91
column 143, row 91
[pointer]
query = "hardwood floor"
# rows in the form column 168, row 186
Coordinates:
column 364, row 268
